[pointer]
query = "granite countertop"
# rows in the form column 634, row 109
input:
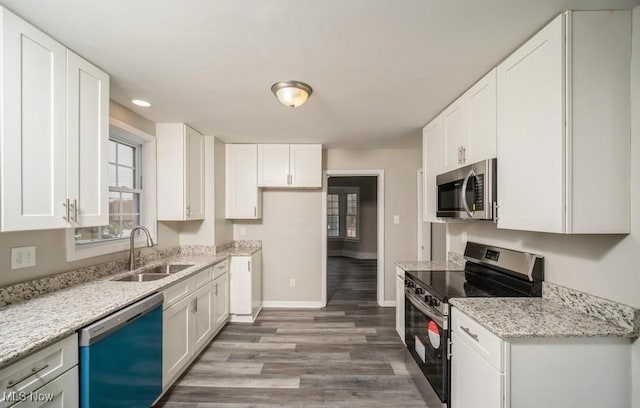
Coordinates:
column 454, row 262
column 536, row 317
column 32, row 324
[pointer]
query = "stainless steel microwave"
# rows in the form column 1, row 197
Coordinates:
column 468, row 192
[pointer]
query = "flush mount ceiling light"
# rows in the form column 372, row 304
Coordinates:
column 140, row 102
column 291, row 93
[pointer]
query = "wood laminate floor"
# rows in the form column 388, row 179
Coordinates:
column 345, row 355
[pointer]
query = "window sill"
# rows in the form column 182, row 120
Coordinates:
column 78, row 252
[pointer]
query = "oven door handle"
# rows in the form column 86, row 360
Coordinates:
column 464, row 194
column 429, row 313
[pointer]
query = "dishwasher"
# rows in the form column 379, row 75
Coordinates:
column 121, row 357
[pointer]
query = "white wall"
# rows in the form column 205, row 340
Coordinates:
column 603, row 265
column 50, row 244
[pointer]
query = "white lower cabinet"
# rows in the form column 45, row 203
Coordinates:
column 400, row 302
column 48, row 377
column 246, row 287
column 574, row 372
column 195, row 310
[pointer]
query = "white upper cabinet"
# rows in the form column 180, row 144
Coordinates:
column 54, row 111
column 563, row 127
column 180, row 172
column 242, row 196
column 470, row 125
column 296, row 165
column 433, row 154
column 87, row 142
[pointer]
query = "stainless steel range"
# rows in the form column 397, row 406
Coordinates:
column 489, row 272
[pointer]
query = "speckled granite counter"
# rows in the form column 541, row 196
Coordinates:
column 455, row 262
column 33, row 324
column 536, row 317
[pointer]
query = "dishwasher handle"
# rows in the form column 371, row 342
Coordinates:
column 96, row 331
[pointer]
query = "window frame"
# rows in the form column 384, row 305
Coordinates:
column 343, row 192
column 146, row 174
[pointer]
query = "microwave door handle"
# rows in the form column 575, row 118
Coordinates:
column 464, row 194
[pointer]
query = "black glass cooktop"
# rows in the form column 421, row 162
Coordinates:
column 445, row 284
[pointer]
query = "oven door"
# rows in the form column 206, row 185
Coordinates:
column 427, row 337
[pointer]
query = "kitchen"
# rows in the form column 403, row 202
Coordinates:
column 291, row 222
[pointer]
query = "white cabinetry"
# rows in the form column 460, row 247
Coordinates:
column 180, row 172
column 400, row 302
column 246, row 287
column 194, row 310
column 433, row 155
column 295, row 165
column 470, row 125
column 487, row 371
column 52, row 370
column 242, row 198
column 563, row 127
column 54, row 123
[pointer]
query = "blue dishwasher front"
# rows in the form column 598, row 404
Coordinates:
column 121, row 357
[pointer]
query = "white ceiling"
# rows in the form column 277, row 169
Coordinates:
column 380, row 69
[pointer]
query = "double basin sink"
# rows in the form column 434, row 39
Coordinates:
column 158, row 272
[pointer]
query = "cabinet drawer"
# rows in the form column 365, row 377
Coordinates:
column 34, row 371
column 174, row 293
column 220, row 268
column 61, row 392
column 485, row 343
column 202, row 277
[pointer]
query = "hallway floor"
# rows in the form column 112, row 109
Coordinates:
column 345, row 355
column 351, row 279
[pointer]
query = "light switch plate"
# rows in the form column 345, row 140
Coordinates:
column 396, row 219
column 23, row 257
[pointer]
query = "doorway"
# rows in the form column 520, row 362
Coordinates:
column 353, row 237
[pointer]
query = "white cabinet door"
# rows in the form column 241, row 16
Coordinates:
column 456, row 132
column 305, row 165
column 400, row 303
column 273, row 165
column 221, row 294
column 432, row 162
column 482, row 111
column 87, row 141
column 240, row 285
column 474, row 382
column 194, row 174
column 62, row 392
column 531, row 134
column 242, row 199
column 33, row 139
column 177, row 339
column 204, row 305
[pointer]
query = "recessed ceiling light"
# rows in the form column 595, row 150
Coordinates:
column 140, row 102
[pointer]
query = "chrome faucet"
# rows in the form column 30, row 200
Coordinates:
column 132, row 259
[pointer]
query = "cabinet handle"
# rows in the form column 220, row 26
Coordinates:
column 34, row 371
column 473, row 336
column 495, row 211
column 255, row 211
column 464, row 155
column 249, row 266
column 66, row 206
column 459, row 155
column 215, row 288
column 195, row 305
column 75, row 210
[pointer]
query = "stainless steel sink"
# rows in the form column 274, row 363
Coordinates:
column 167, row 268
column 158, row 272
column 142, row 277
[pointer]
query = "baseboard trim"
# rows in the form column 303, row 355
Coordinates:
column 292, row 305
column 242, row 319
column 389, row 303
column 352, row 254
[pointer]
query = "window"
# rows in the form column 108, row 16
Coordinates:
column 132, row 160
column 124, row 195
column 343, row 216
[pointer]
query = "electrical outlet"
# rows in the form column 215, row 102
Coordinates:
column 243, row 230
column 396, row 219
column 292, row 283
column 23, row 257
